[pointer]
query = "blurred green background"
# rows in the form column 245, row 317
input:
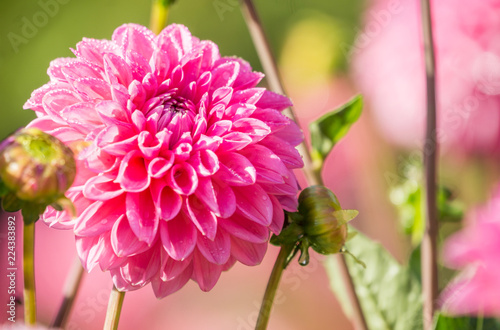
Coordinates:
column 36, row 31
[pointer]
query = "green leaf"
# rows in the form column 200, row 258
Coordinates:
column 389, row 293
column 330, row 128
column 445, row 322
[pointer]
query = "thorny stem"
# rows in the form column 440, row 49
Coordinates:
column 69, row 294
column 159, row 15
column 114, row 309
column 29, row 274
column 313, row 176
column 429, row 242
column 272, row 286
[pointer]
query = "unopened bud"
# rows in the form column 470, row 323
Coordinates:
column 36, row 167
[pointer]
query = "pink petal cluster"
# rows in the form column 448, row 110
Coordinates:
column 475, row 250
column 388, row 66
column 188, row 166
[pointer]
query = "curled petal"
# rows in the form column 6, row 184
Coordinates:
column 133, row 175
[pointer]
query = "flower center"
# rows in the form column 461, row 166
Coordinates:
column 176, row 114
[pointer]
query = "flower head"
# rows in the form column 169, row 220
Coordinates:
column 476, row 251
column 189, row 165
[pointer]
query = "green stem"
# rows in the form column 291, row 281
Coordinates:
column 114, row 309
column 159, row 15
column 69, row 293
column 272, row 286
column 29, row 274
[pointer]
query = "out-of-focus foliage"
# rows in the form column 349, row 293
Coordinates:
column 389, row 293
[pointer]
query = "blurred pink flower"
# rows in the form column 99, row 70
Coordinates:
column 475, row 250
column 388, row 67
column 189, row 164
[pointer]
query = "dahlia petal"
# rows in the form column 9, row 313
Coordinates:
column 206, row 194
column 140, row 268
column 205, row 273
column 205, row 162
column 121, row 283
column 165, row 288
column 230, row 263
column 287, row 153
column 172, row 268
column 291, row 133
column 253, row 202
column 288, row 187
column 93, row 88
column 239, row 226
column 55, row 68
column 111, row 111
column 148, row 145
column 191, row 68
column 246, row 77
column 221, row 96
column 239, row 110
column 108, row 259
column 234, row 141
column 134, row 37
column 249, row 96
column 216, row 251
column 289, row 203
column 160, row 63
column 183, row 179
column 202, row 87
column 182, row 151
column 137, row 94
column 254, row 128
column 268, row 165
column 92, row 50
column 123, row 240
column 224, row 73
column 98, row 218
column 203, row 218
column 225, row 198
column 278, row 217
column 81, row 69
column 210, row 54
column 178, row 237
column 247, row 253
column 35, row 101
column 207, row 142
column 56, row 100
column 101, row 188
column 168, row 203
column 219, row 128
column 273, row 101
column 88, row 249
column 138, row 64
column 133, row 175
column 81, row 116
column 142, row 216
column 180, row 36
column 236, row 169
column 139, row 120
column 200, row 127
column 159, row 166
column 117, row 70
column 273, row 118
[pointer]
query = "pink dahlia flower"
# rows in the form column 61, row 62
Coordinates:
column 188, row 166
column 475, row 250
column 388, row 65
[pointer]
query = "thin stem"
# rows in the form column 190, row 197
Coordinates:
column 69, row 294
column 29, row 274
column 272, row 286
column 429, row 242
column 313, row 176
column 114, row 309
column 159, row 15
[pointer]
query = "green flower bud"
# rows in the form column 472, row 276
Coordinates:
column 320, row 223
column 35, row 167
column 323, row 220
